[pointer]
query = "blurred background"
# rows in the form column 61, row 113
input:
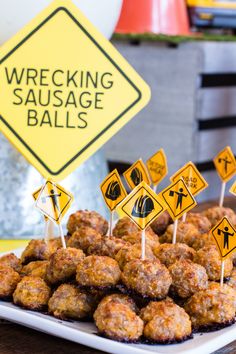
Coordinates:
column 186, row 51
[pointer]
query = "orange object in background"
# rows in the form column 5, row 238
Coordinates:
column 157, row 16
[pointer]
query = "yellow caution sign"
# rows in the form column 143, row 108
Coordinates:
column 53, row 201
column 136, row 174
column 225, row 164
column 35, row 196
column 225, row 237
column 142, row 206
column 233, row 189
column 178, row 199
column 65, row 90
column 113, row 190
column 192, row 178
column 157, row 166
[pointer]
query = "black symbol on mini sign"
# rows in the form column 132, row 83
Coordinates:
column 226, row 234
column 143, row 206
column 156, row 168
column 113, row 191
column 136, row 176
column 181, row 195
column 54, row 198
column 226, row 162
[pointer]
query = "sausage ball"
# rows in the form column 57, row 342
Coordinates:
column 203, row 240
column 169, row 253
column 131, row 252
column 107, row 246
column 148, row 278
column 210, row 259
column 166, row 322
column 98, row 271
column 37, row 269
column 124, row 226
column 32, row 293
column 160, row 224
column 187, row 278
column 233, row 257
column 200, row 221
column 10, row 260
column 36, row 250
column 68, row 302
column 232, row 280
column 87, row 218
column 117, row 321
column 62, row 264
column 120, row 298
column 9, row 279
column 186, row 233
column 215, row 214
column 212, row 307
column 84, row 237
column 55, row 243
column 151, row 239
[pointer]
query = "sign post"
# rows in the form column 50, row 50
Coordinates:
column 53, row 202
column 225, row 165
column 178, row 200
column 136, row 174
column 142, row 206
column 195, row 182
column 224, row 235
column 113, row 193
column 157, row 168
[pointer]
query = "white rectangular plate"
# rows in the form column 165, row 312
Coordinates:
column 85, row 333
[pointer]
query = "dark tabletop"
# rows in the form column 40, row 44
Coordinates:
column 15, row 339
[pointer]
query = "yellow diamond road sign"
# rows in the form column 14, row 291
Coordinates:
column 65, row 90
column 53, row 201
column 225, row 164
column 192, row 177
column 157, row 166
column 35, row 196
column 225, row 237
column 233, row 189
column 136, row 174
column 142, row 206
column 178, row 199
column 113, row 190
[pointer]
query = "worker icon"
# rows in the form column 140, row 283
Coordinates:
column 180, row 195
column 226, row 234
column 226, row 162
column 54, row 198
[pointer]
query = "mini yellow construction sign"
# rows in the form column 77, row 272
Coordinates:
column 113, row 190
column 142, row 206
column 178, row 199
column 136, row 174
column 192, row 178
column 35, row 196
column 157, row 166
column 225, row 164
column 233, row 189
column 53, row 201
column 65, row 90
column 225, row 237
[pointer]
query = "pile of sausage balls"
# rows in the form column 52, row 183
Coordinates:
column 161, row 299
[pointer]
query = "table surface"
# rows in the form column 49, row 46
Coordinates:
column 15, row 339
